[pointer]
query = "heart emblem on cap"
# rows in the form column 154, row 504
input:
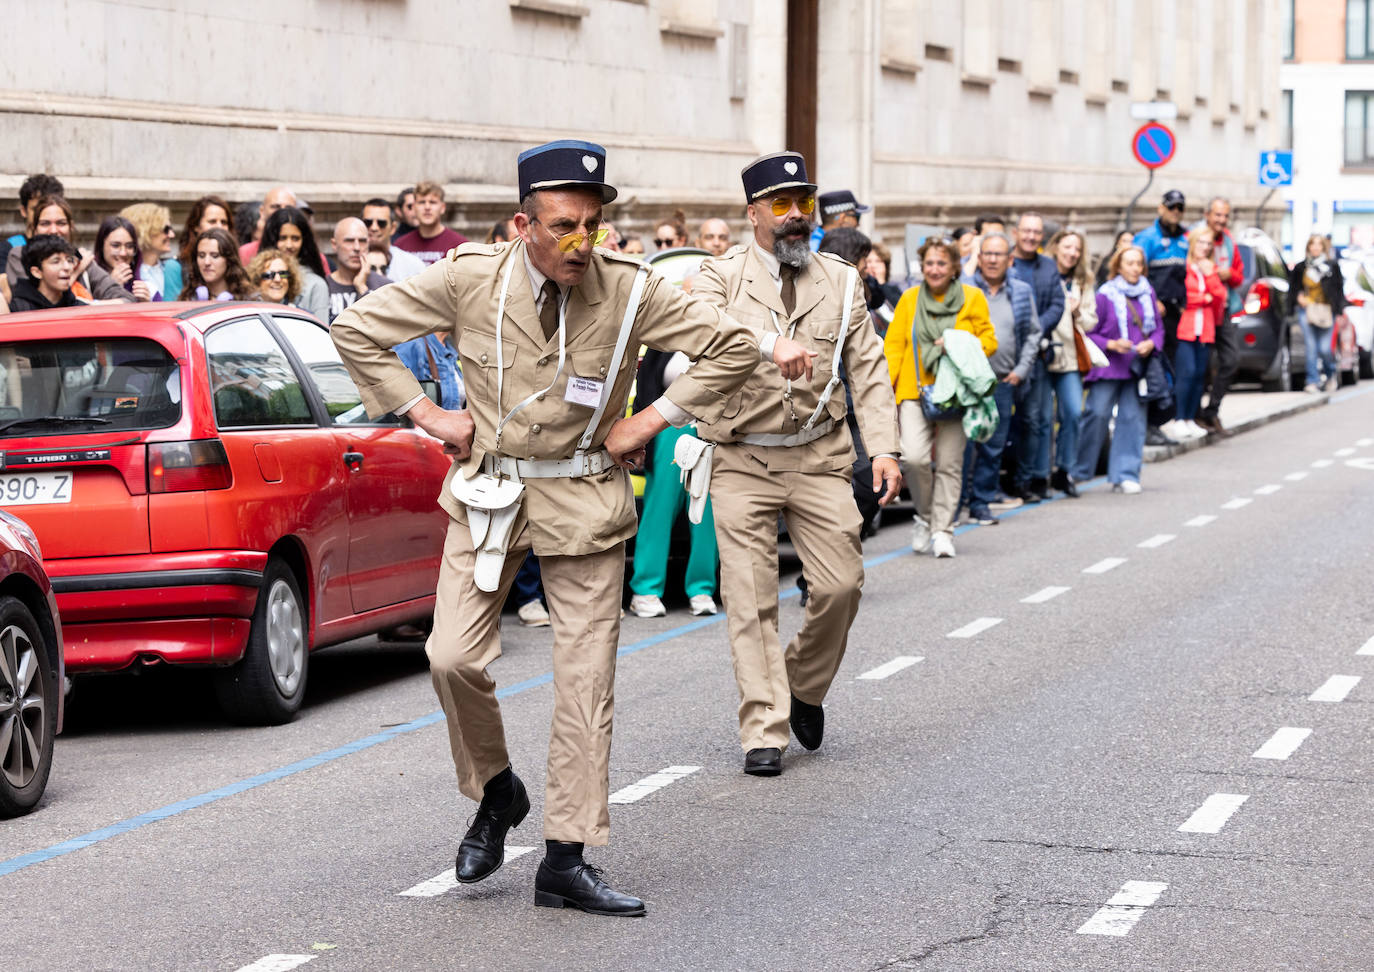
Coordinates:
column 589, row 163
column 791, row 167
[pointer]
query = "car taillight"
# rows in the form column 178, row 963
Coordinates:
column 1257, row 300
column 175, row 467
column 1251, row 339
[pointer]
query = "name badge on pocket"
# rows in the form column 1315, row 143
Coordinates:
column 583, row 391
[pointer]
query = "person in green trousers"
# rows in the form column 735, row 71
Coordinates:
column 665, row 500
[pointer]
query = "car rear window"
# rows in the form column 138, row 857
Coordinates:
column 87, row 384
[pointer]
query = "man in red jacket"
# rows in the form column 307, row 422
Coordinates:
column 1231, row 270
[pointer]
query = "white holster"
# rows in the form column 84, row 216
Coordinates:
column 492, row 504
column 693, row 458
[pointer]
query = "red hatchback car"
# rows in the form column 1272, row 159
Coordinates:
column 209, row 490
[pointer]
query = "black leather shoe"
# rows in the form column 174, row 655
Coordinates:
column 807, row 722
column 763, row 762
column 582, row 887
column 1062, row 482
column 483, row 849
column 1040, row 488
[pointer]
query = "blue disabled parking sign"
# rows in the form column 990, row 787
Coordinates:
column 1276, row 169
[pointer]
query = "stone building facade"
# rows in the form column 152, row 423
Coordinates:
column 932, row 111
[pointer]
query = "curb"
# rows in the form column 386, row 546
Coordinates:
column 1164, row 453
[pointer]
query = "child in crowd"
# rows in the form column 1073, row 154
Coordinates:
column 49, row 268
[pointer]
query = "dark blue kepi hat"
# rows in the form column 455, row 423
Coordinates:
column 567, row 163
column 769, row 173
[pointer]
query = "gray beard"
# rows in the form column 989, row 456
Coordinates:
column 796, row 254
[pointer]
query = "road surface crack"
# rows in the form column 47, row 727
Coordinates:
column 1005, row 909
column 1145, row 852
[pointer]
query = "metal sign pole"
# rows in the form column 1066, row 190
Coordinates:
column 1130, row 207
column 1259, row 210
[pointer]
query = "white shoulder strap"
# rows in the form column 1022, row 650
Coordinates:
column 850, row 279
column 626, row 326
column 500, row 357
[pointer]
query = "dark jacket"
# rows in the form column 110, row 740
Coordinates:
column 1043, row 276
column 1166, row 262
column 1332, row 283
column 28, row 297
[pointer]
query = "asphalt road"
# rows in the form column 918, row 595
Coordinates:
column 976, row 809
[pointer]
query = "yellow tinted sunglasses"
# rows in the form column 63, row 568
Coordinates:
column 573, row 241
column 782, row 205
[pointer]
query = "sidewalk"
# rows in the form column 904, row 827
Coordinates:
column 1241, row 412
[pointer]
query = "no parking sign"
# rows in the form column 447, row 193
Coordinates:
column 1153, row 144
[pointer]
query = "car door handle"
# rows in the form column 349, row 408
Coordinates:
column 353, row 460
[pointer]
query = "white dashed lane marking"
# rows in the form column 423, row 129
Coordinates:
column 1102, row 566
column 1347, row 451
column 1158, row 540
column 651, row 784
column 1213, row 814
column 1368, row 648
column 1119, row 915
column 1200, row 521
column 1283, row 743
column 1322, row 463
column 1335, row 688
column 1365, row 443
column 891, row 668
column 445, row 882
column 1296, row 477
column 974, row 628
column 1237, row 503
column 1268, row 490
column 1044, row 594
column 278, row 963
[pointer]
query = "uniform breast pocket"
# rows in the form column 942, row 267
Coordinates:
column 477, row 353
column 587, row 374
column 824, row 346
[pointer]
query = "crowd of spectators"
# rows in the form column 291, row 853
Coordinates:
column 1090, row 360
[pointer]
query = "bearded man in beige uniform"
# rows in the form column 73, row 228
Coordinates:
column 547, row 329
column 784, row 447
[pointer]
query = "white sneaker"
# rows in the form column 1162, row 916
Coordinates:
column 942, row 545
column 1197, row 431
column 647, row 606
column 1130, row 487
column 533, row 615
column 1311, row 389
column 702, row 604
column 920, row 536
column 1333, row 383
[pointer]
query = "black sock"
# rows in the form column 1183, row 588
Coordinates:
column 562, row 854
column 500, row 789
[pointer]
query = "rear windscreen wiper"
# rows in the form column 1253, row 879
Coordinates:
column 55, row 420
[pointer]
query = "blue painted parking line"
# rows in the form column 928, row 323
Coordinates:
column 391, row 732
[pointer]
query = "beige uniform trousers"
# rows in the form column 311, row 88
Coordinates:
column 583, row 594
column 935, row 493
column 823, row 522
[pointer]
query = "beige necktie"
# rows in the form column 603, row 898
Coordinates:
column 789, row 288
column 548, row 317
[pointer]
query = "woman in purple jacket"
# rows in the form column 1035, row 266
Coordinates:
column 1128, row 326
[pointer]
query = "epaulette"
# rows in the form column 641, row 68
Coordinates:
column 611, row 256
column 833, row 256
column 475, row 249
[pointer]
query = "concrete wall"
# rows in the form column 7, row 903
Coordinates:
column 932, row 110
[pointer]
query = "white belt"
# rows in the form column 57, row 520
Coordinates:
column 795, row 439
column 582, row 464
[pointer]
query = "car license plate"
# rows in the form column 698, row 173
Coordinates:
column 30, row 489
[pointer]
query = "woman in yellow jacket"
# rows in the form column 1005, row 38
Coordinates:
column 914, row 346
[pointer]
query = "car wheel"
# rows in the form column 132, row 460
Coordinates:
column 28, row 709
column 1366, row 365
column 1283, row 366
column 265, row 688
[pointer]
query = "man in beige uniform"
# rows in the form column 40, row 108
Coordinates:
column 784, row 447
column 547, row 329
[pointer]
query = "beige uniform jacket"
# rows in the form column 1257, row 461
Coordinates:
column 461, row 294
column 739, row 283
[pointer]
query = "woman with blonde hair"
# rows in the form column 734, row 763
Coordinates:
column 1197, row 330
column 1065, row 365
column 276, row 276
column 1316, row 292
column 156, row 264
column 914, row 347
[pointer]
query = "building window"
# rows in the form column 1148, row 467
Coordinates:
column 1359, row 45
column 1359, row 136
column 1286, row 27
column 1286, row 121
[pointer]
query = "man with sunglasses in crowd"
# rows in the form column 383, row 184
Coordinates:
column 547, row 329
column 1165, row 243
column 399, row 263
column 783, row 447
